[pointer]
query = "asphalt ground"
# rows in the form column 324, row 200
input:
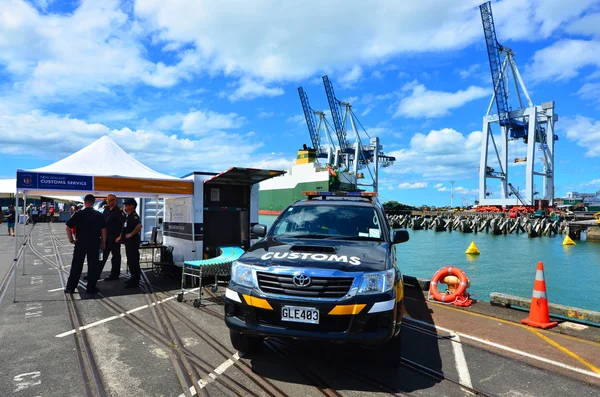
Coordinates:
column 147, row 344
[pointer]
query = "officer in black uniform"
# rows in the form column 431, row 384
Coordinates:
column 130, row 237
column 114, row 218
column 91, row 237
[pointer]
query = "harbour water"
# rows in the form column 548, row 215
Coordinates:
column 507, row 263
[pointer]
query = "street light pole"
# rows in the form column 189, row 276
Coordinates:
column 452, row 194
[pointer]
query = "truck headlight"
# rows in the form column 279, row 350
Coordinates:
column 377, row 283
column 242, row 274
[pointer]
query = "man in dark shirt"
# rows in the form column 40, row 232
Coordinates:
column 10, row 217
column 91, row 237
column 114, row 218
column 130, row 236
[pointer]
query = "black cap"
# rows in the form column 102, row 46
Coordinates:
column 130, row 201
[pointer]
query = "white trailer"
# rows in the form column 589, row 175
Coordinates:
column 222, row 212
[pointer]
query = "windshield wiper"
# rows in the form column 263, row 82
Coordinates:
column 362, row 238
column 316, row 236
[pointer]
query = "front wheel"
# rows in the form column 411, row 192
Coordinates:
column 245, row 343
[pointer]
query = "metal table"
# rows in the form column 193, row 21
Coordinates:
column 219, row 266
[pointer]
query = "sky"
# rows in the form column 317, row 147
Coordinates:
column 200, row 85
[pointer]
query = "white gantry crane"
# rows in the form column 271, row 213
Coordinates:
column 528, row 124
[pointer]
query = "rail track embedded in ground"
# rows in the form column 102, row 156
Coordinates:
column 92, row 380
column 170, row 340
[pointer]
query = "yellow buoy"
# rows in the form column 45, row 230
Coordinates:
column 568, row 240
column 472, row 249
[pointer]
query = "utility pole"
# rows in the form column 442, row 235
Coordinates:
column 452, row 194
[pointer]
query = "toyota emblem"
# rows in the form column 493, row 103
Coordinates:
column 301, row 280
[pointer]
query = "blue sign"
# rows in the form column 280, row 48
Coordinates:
column 45, row 181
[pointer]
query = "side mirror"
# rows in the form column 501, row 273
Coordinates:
column 400, row 236
column 260, row 230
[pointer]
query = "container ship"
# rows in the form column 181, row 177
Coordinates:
column 307, row 174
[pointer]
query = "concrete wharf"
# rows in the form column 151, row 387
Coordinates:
column 145, row 343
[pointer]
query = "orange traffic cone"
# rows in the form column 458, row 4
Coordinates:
column 538, row 311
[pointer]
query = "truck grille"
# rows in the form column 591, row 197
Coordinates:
column 320, row 287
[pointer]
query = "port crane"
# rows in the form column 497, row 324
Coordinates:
column 359, row 155
column 315, row 131
column 533, row 125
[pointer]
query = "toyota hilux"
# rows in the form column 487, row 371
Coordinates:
column 326, row 270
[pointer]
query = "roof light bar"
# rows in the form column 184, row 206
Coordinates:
column 339, row 194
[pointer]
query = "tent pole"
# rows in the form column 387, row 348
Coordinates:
column 16, row 264
column 193, row 231
column 156, row 220
column 24, row 240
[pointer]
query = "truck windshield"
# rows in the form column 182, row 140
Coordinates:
column 343, row 222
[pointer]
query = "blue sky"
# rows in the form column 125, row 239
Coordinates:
column 202, row 85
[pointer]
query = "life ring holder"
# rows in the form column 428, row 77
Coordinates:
column 439, row 275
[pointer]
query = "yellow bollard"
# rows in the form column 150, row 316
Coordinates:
column 568, row 240
column 473, row 250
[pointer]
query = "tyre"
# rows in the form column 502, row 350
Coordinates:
column 392, row 350
column 245, row 343
column 214, row 288
column 180, row 297
column 197, row 302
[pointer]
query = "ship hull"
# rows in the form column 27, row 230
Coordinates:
column 274, row 201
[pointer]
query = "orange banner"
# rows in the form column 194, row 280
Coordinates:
column 136, row 185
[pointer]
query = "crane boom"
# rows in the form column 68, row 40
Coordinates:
column 518, row 195
column 335, row 115
column 493, row 50
column 310, row 122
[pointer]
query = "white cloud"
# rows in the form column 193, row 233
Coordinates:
column 470, row 71
column 99, row 47
column 274, row 163
column 296, row 119
column 416, row 185
column 93, row 49
column 43, row 4
column 265, row 115
column 594, row 182
column 563, row 59
column 585, row 132
column 249, row 89
column 590, row 91
column 52, row 137
column 268, row 40
column 351, row 77
column 428, row 103
column 34, row 133
column 201, row 122
column 438, row 185
column 589, row 25
column 377, row 75
column 443, row 189
column 444, row 153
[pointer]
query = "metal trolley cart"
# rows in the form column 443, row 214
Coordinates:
column 219, row 266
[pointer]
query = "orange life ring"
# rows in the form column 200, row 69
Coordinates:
column 443, row 272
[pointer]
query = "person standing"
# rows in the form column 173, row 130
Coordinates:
column 10, row 217
column 91, row 237
column 29, row 214
column 114, row 218
column 130, row 237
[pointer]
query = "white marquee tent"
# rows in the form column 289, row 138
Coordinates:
column 103, row 158
column 100, row 158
